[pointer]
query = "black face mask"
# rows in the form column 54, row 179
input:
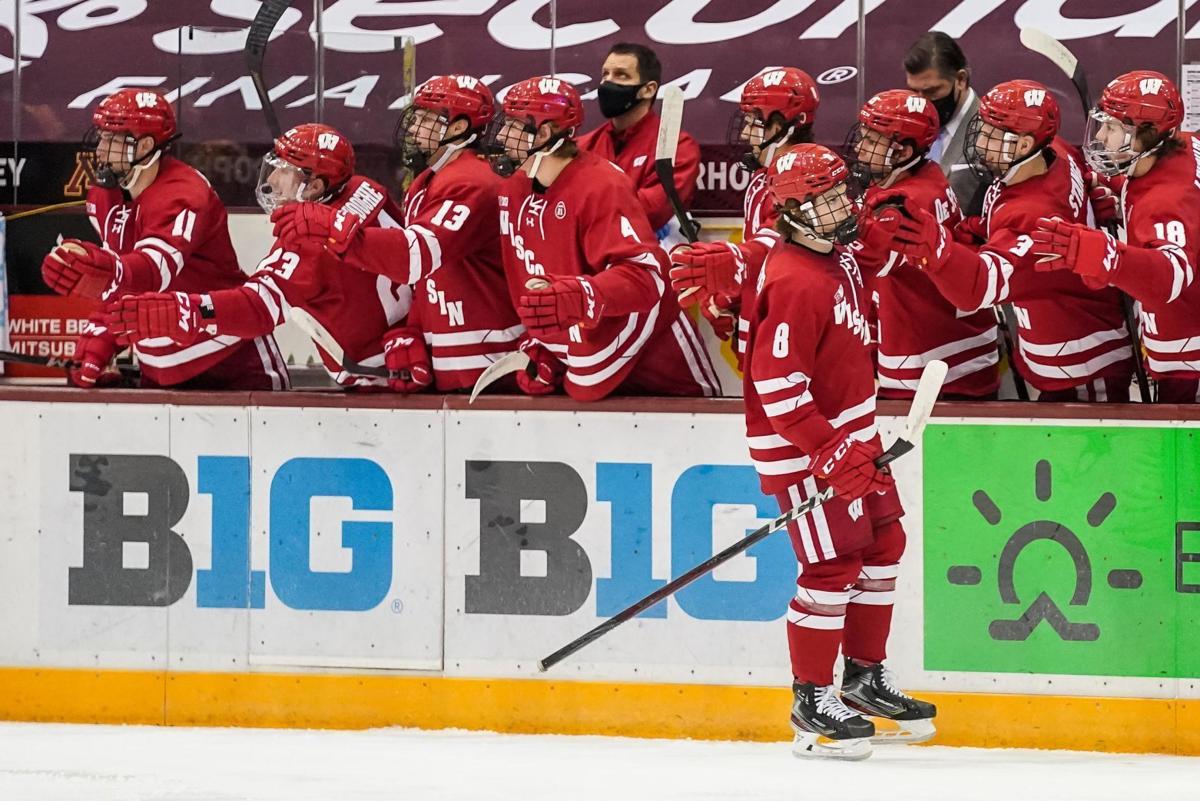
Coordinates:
column 946, row 107
column 617, row 98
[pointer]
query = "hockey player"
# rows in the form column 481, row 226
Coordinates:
column 629, row 82
column 587, row 273
column 809, row 390
column 777, row 109
column 1133, row 133
column 310, row 163
column 162, row 228
column 445, row 244
column 889, row 146
column 1071, row 340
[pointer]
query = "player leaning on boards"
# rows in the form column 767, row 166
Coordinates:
column 1072, row 340
column 1134, row 132
column 588, row 276
column 629, row 81
column 162, row 227
column 777, row 109
column 809, row 386
column 888, row 149
column 310, row 163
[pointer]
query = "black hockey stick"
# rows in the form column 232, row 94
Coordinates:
column 1046, row 45
column 918, row 415
column 259, row 35
column 126, row 370
column 1004, row 314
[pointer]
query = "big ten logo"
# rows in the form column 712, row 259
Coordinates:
column 452, row 310
column 134, row 554
column 530, row 563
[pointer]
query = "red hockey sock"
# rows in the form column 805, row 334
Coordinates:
column 869, row 612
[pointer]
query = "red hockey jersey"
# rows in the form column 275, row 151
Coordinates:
column 758, row 237
column 588, row 222
column 464, row 309
column 1067, row 334
column 354, row 306
column 915, row 323
column 175, row 237
column 1162, row 212
column 633, row 151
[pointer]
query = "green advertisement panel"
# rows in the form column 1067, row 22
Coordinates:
column 1062, row 549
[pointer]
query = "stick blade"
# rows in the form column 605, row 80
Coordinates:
column 1045, row 44
column 928, row 389
column 511, row 363
column 670, row 123
column 318, row 333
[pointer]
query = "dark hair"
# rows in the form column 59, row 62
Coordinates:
column 935, row 50
column 649, row 67
column 1148, row 136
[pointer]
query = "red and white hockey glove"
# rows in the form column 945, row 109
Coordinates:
column 94, row 352
column 1092, row 254
column 299, row 222
column 153, row 315
column 704, row 268
column 1105, row 195
column 849, row 467
column 549, row 308
column 404, row 352
column 718, row 310
column 79, row 268
column 544, row 373
column 918, row 236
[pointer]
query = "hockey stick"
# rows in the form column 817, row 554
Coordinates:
column 320, row 334
column 1046, row 45
column 918, row 415
column 669, row 125
column 44, row 209
column 126, row 370
column 1008, row 342
column 257, row 38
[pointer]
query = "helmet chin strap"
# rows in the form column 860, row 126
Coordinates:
column 894, row 173
column 1010, row 144
column 544, row 151
column 135, row 169
column 773, row 145
column 808, row 235
column 449, row 147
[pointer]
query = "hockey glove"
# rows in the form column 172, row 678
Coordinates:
column 919, row 237
column 154, row 315
column 545, row 372
column 707, row 267
column 554, row 307
column 299, row 222
column 94, row 352
column 1106, row 198
column 79, row 268
column 970, row 232
column 718, row 310
column 849, row 467
column 404, row 352
column 1092, row 254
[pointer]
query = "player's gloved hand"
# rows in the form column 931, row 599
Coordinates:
column 971, row 231
column 918, row 236
column 94, row 352
column 551, row 307
column 404, row 353
column 151, row 315
column 334, row 228
column 703, row 267
column 849, row 467
column 1090, row 253
column 718, row 310
column 878, row 234
column 79, row 268
column 545, row 372
column 1105, row 194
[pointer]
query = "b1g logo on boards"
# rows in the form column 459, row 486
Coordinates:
column 132, row 505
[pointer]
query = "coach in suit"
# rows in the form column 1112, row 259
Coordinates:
column 937, row 69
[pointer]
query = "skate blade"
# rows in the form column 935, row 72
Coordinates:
column 813, row 746
column 902, row 732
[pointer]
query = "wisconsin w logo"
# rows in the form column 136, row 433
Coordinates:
column 787, row 161
column 773, row 78
column 1150, row 86
column 915, row 104
column 328, row 141
column 1034, row 97
column 550, row 86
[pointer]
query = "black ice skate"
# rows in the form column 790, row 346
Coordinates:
column 825, row 727
column 872, row 691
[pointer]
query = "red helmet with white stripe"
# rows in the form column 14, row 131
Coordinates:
column 1138, row 112
column 1010, row 111
column 300, row 156
column 138, row 113
column 807, row 182
column 887, row 124
column 788, row 91
column 545, row 99
column 457, row 96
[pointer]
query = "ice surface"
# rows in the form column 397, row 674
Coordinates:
column 51, row 762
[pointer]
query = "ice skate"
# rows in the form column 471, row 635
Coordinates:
column 825, row 727
column 871, row 690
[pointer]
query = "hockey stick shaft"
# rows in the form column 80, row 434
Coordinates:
column 43, row 209
column 127, row 370
column 1008, row 342
column 670, row 124
column 922, row 407
column 268, row 16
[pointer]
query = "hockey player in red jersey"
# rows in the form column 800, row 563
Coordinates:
column 309, row 163
column 445, row 243
column 1133, row 133
column 162, row 228
column 809, row 388
column 777, row 109
column 888, row 147
column 588, row 276
column 1072, row 341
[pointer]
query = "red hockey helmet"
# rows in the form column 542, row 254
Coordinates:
column 807, row 182
column 457, row 96
column 1143, row 97
column 788, row 91
column 138, row 113
column 1011, row 110
column 545, row 99
column 887, row 123
column 301, row 154
column 422, row 129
